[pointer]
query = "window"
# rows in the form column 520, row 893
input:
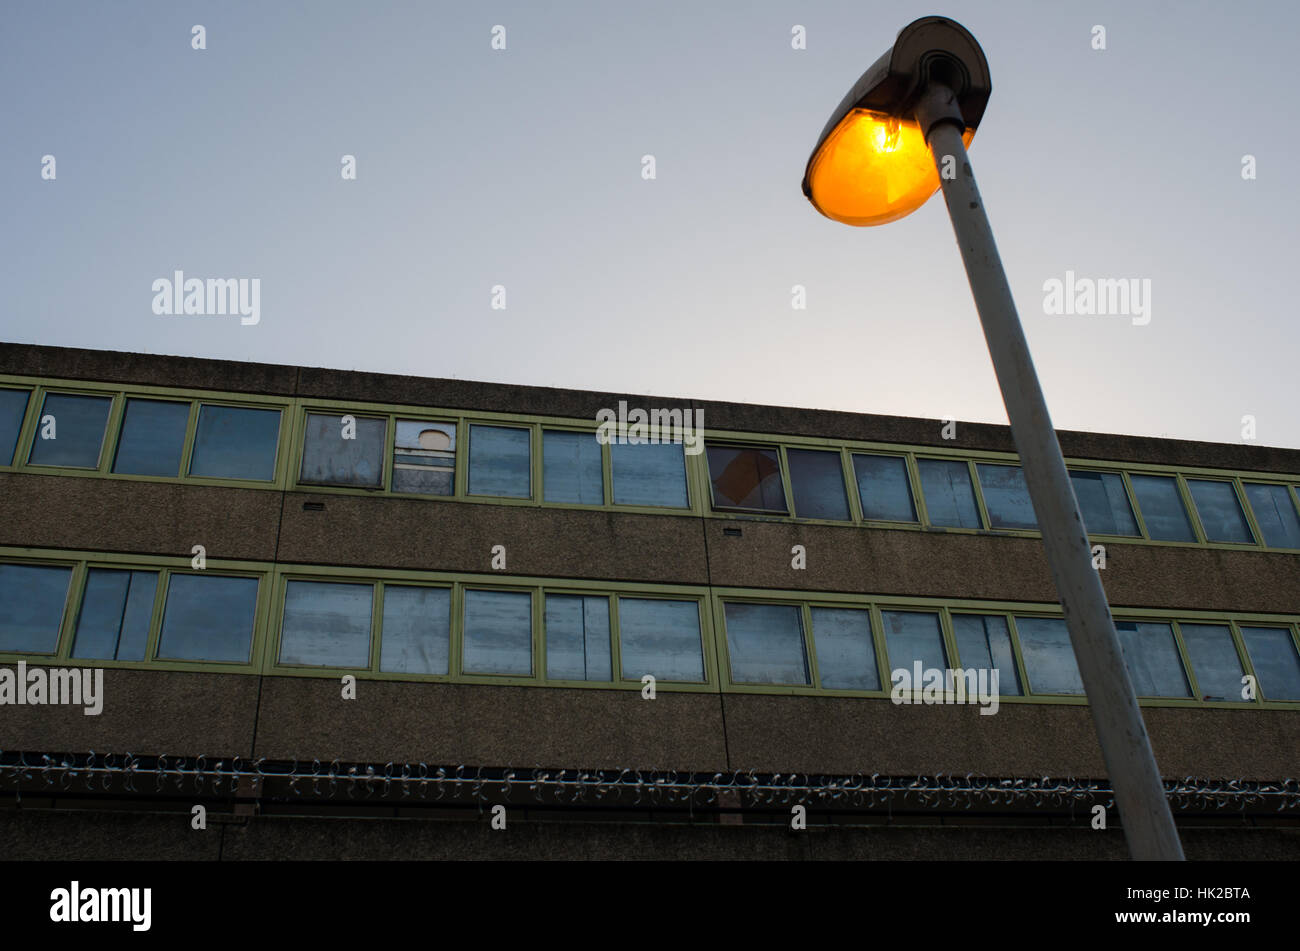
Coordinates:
column 661, row 638
column 817, row 484
column 1006, row 496
column 1214, row 660
column 70, row 431
column 338, row 454
column 1220, row 511
column 912, row 637
column 572, row 470
column 577, row 637
column 208, row 617
column 1275, row 514
column 499, row 462
column 424, row 458
column 152, row 438
column 984, row 643
column 949, row 497
column 1103, row 502
column 649, row 474
column 326, row 624
column 1151, row 656
column 235, row 442
column 416, row 634
column 1048, row 655
column 1273, row 654
column 746, row 477
column 116, row 614
column 498, row 633
column 31, row 607
column 1162, row 508
column 883, row 487
column 13, row 407
column 846, row 650
column 765, row 643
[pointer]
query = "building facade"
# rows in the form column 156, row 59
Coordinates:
column 299, row 598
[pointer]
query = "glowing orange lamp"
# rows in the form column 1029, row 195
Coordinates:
column 872, row 164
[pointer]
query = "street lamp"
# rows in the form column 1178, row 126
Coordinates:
column 896, row 138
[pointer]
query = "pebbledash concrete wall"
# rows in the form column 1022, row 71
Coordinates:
column 185, row 713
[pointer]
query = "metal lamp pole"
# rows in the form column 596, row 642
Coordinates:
column 1139, row 791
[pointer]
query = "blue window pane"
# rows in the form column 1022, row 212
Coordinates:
column 1275, row 514
column 498, row 633
column 571, row 468
column 152, row 439
column 765, row 644
column 846, row 651
column 116, row 610
column 912, row 636
column 883, row 488
column 208, row 617
column 326, row 624
column 649, row 474
column 1048, row 655
column 577, row 637
column 424, row 459
column 1214, row 660
column 233, row 442
column 334, row 454
column 984, row 643
column 817, row 483
column 1103, row 503
column 1006, row 496
column 74, row 435
column 1273, row 655
column 949, row 497
column 1152, row 659
column 499, row 461
column 416, row 635
column 746, row 478
column 1220, row 512
column 1162, row 508
column 661, row 638
column 31, row 607
column 13, row 407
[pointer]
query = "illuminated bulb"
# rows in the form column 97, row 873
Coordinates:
column 872, row 169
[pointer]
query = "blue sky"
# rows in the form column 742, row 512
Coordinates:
column 522, row 168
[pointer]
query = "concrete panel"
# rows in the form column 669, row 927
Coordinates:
column 465, row 394
column 146, row 712
column 38, row 835
column 111, row 366
column 455, row 536
column 48, row 511
column 865, row 735
column 878, row 561
column 35, row 835
column 449, row 724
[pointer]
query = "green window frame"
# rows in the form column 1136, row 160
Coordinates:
column 294, row 412
column 167, row 568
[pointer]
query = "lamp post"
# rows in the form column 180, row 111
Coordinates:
column 899, row 135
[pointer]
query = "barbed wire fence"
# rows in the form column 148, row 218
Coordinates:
column 402, row 783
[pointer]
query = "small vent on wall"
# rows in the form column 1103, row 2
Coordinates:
column 313, row 506
column 733, row 532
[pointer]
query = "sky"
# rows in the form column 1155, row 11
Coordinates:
column 522, row 168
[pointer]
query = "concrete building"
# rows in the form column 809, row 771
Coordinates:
column 319, row 596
